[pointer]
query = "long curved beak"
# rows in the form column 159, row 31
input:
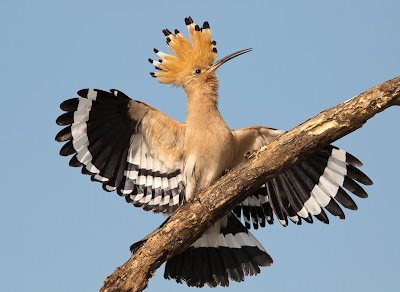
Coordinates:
column 225, row 59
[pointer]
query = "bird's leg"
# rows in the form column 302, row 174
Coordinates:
column 196, row 196
column 249, row 154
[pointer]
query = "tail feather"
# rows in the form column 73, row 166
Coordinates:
column 232, row 264
column 187, row 265
column 226, row 251
column 207, row 276
column 218, row 269
column 196, row 275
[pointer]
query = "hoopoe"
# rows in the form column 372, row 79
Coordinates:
column 158, row 164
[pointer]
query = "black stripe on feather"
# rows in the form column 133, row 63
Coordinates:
column 301, row 187
column 294, row 201
column 215, row 266
column 238, row 211
column 246, row 216
column 232, row 266
column 275, row 201
column 351, row 173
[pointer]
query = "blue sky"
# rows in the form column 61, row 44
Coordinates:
column 61, row 232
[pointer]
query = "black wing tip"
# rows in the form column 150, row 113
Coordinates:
column 354, row 187
column 345, row 200
column 309, row 219
column 358, row 175
column 69, row 105
column 74, row 162
column 335, row 209
column 65, row 119
column 353, row 160
column 64, row 135
column 68, row 149
column 83, row 92
column 322, row 217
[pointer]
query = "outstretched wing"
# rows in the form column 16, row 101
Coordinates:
column 312, row 185
column 126, row 145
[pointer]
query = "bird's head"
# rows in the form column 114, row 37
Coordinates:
column 192, row 64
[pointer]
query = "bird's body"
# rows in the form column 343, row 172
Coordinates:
column 158, row 164
column 208, row 143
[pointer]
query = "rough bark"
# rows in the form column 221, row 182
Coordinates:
column 190, row 221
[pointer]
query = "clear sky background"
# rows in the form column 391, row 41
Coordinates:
column 61, row 232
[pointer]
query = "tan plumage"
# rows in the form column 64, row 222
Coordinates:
column 200, row 53
column 203, row 146
column 158, row 164
column 208, row 146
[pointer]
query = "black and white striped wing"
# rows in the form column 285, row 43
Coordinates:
column 118, row 142
column 311, row 186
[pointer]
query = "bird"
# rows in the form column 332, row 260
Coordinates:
column 158, row 164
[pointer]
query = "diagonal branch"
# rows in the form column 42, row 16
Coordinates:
column 195, row 217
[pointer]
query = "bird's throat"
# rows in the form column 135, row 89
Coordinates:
column 202, row 112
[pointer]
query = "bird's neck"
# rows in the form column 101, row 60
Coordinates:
column 202, row 107
column 208, row 140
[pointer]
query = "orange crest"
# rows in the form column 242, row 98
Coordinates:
column 189, row 56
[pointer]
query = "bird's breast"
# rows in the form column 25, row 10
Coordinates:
column 209, row 153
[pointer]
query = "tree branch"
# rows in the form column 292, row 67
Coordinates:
column 195, row 217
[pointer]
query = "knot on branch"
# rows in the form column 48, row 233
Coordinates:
column 324, row 128
column 250, row 154
column 391, row 88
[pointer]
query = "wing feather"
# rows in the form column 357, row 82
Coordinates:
column 312, row 185
column 126, row 145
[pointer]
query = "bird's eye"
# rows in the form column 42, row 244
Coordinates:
column 198, row 71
